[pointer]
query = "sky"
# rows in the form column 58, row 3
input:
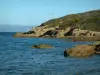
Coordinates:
column 35, row 12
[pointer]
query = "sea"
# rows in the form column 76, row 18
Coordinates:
column 17, row 57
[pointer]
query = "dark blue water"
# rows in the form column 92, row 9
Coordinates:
column 18, row 58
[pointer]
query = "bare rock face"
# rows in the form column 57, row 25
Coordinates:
column 41, row 30
column 94, row 33
column 50, row 33
column 78, row 32
column 38, row 31
column 60, row 34
column 44, row 31
column 81, row 51
column 87, row 33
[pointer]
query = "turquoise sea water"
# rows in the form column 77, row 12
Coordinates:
column 18, row 58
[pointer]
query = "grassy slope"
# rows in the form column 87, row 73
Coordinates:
column 87, row 20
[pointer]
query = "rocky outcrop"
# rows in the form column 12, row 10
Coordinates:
column 60, row 34
column 64, row 33
column 44, row 31
column 37, row 32
column 18, row 34
column 50, row 33
column 42, row 46
column 86, row 33
column 82, row 50
column 41, row 30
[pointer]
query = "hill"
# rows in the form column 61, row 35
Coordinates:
column 82, row 24
column 88, row 20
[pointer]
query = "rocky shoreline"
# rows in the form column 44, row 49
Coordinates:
column 78, row 51
column 78, row 27
column 81, row 26
column 55, row 32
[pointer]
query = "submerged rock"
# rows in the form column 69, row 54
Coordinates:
column 42, row 46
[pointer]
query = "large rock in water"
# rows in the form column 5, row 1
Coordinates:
column 80, row 51
column 42, row 46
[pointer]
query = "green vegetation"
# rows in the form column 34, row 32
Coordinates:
column 88, row 20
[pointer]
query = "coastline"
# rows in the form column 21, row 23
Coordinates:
column 75, row 38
